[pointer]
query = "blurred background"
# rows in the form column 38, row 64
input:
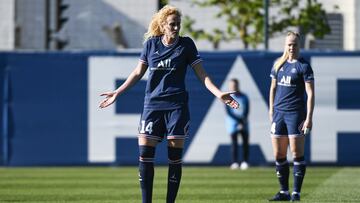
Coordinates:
column 117, row 25
column 57, row 56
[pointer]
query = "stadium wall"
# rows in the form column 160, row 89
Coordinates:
column 52, row 115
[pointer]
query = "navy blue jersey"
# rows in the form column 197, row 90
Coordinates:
column 165, row 88
column 290, row 88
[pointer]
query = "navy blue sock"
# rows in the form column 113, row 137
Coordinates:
column 282, row 172
column 174, row 174
column 299, row 173
column 146, row 172
column 245, row 145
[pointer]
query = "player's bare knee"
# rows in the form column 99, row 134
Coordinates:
column 280, row 156
column 297, row 154
column 176, row 143
column 144, row 141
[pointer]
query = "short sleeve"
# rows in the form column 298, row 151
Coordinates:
column 192, row 53
column 308, row 73
column 273, row 73
column 144, row 54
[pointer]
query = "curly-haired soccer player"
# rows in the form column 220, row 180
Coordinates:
column 166, row 55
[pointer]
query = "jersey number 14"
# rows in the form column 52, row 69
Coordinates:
column 148, row 127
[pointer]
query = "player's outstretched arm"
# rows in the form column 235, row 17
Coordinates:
column 135, row 76
column 205, row 79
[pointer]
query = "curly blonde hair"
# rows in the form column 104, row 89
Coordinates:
column 158, row 19
column 280, row 61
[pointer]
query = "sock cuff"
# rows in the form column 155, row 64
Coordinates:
column 175, row 155
column 142, row 159
column 147, row 153
column 284, row 192
column 281, row 162
column 299, row 161
column 179, row 161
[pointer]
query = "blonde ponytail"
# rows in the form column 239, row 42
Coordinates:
column 280, row 61
column 158, row 19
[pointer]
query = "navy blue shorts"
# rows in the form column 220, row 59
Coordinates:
column 156, row 124
column 288, row 124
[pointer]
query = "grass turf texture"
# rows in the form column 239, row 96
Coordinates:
column 199, row 184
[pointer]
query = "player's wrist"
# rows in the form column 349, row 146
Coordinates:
column 218, row 95
column 116, row 92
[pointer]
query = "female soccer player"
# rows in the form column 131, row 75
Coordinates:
column 167, row 56
column 290, row 114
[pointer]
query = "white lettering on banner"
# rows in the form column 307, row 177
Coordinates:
column 328, row 120
column 212, row 132
column 104, row 125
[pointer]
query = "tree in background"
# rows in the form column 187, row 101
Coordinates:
column 245, row 20
column 162, row 3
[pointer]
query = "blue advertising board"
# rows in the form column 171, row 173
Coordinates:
column 50, row 115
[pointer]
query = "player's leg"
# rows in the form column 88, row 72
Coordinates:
column 234, row 150
column 151, row 125
column 297, row 149
column 245, row 146
column 297, row 144
column 280, row 142
column 280, row 145
column 177, row 124
column 146, row 167
column 175, row 150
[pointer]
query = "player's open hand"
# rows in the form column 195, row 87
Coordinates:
column 307, row 125
column 228, row 100
column 110, row 98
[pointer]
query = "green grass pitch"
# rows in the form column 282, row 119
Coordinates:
column 199, row 185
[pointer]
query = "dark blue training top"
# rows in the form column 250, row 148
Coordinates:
column 165, row 88
column 290, row 88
